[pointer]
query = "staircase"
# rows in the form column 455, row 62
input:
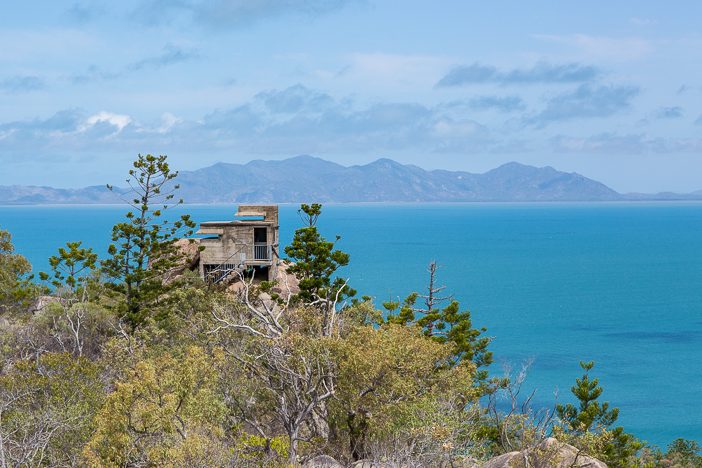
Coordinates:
column 225, row 269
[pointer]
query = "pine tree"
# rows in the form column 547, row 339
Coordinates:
column 593, row 417
column 589, row 414
column 143, row 249
column 70, row 263
column 682, row 452
column 444, row 325
column 16, row 288
column 316, row 260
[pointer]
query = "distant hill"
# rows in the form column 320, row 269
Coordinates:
column 306, row 178
column 33, row 195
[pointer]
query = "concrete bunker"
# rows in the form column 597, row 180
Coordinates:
column 246, row 245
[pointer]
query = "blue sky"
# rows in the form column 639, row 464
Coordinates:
column 612, row 90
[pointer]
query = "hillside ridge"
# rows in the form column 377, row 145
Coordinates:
column 305, row 178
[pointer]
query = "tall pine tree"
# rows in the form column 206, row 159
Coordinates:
column 142, row 250
column 316, row 260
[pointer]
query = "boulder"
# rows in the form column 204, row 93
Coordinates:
column 372, row 464
column 286, row 282
column 548, row 454
column 465, row 462
column 189, row 250
column 458, row 463
column 236, row 288
column 322, row 461
column 41, row 302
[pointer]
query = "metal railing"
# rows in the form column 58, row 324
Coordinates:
column 221, row 272
column 262, row 251
column 224, row 269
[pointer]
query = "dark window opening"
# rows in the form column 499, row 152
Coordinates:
column 260, row 235
column 262, row 250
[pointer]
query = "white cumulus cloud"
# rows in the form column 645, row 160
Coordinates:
column 119, row 121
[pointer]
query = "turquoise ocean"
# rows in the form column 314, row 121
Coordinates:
column 620, row 284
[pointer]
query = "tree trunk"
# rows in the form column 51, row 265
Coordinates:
column 292, row 457
column 319, row 420
column 358, row 430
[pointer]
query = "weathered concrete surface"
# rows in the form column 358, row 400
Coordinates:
column 286, row 283
column 548, row 454
column 234, row 242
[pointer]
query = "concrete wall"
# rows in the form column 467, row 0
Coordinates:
column 236, row 245
column 233, row 242
column 270, row 211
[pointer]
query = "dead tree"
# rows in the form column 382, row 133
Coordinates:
column 293, row 369
column 519, row 425
column 432, row 297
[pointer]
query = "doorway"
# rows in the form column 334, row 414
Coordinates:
column 261, row 248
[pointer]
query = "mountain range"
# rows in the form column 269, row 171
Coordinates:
column 307, row 178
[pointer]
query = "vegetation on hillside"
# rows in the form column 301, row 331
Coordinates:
column 121, row 363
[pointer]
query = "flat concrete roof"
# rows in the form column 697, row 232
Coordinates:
column 236, row 222
column 250, row 213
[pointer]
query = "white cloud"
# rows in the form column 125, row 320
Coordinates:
column 6, row 133
column 119, row 121
column 289, row 121
column 168, row 121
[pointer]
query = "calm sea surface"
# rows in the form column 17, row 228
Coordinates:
column 620, row 284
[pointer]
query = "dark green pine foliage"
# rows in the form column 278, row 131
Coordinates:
column 71, row 264
column 444, row 324
column 143, row 245
column 315, row 260
column 592, row 416
column 684, row 453
column 589, row 414
column 16, row 287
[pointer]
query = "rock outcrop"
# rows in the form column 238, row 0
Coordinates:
column 548, row 454
column 286, row 282
column 189, row 250
column 373, row 464
column 41, row 302
column 322, row 461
